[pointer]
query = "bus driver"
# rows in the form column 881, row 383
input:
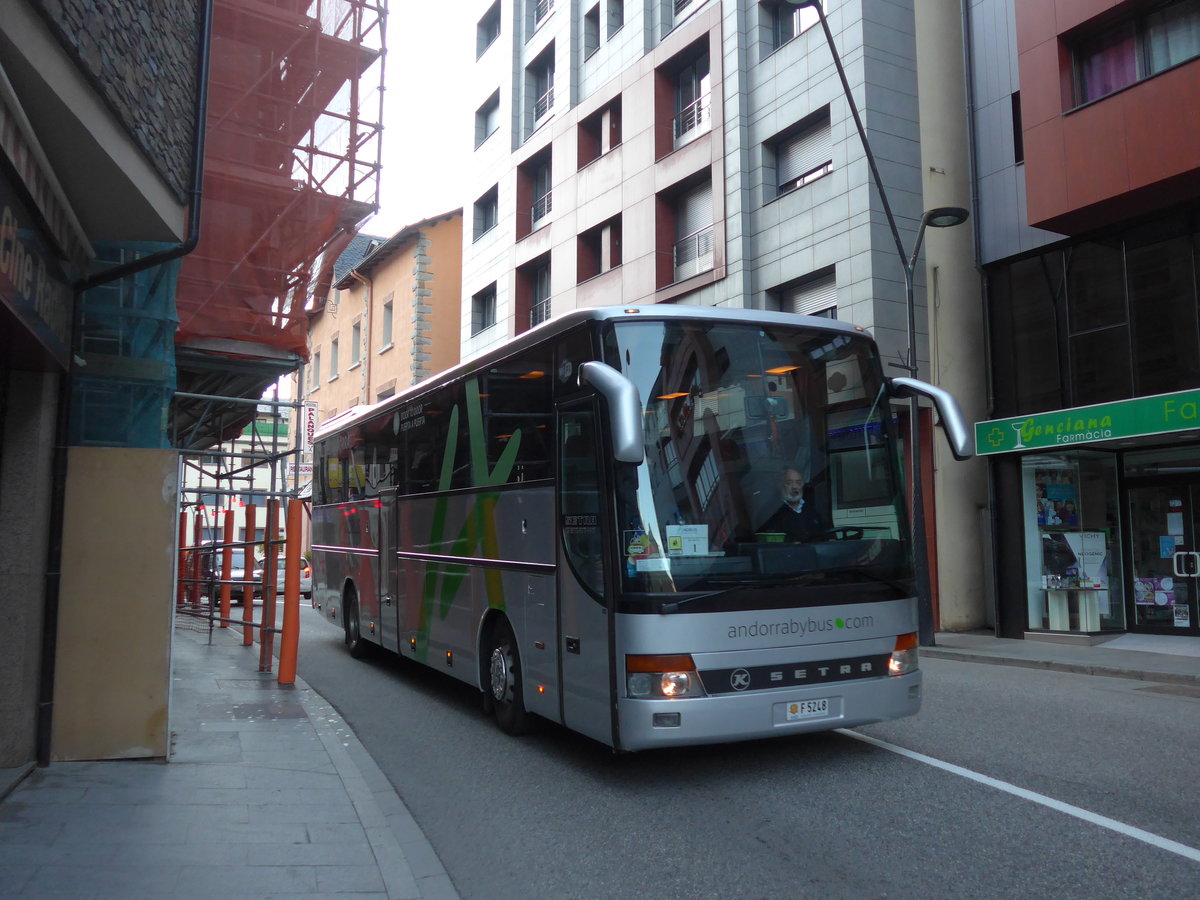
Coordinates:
column 797, row 518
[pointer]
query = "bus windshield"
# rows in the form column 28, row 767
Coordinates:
column 771, row 459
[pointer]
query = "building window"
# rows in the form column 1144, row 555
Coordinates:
column 1018, row 135
column 532, row 300
column 333, row 359
column 813, row 295
column 693, row 248
column 1073, row 563
column 693, row 102
column 486, row 212
column 487, row 118
column 800, row 155
column 355, row 344
column 591, row 31
column 315, row 377
column 616, row 16
column 542, row 192
column 599, row 249
column 539, row 312
column 488, row 29
column 539, row 89
column 385, row 325
column 539, row 11
column 483, row 309
column 787, row 23
column 600, row 132
column 535, row 194
column 1107, row 61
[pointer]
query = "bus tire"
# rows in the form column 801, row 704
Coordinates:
column 504, row 684
column 357, row 647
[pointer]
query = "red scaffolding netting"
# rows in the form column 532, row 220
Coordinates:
column 291, row 163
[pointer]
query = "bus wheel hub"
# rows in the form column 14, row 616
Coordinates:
column 499, row 674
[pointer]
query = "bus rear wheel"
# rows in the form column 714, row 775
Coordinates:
column 505, row 682
column 355, row 644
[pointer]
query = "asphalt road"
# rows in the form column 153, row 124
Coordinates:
column 554, row 815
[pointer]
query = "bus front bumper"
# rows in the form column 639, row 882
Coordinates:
column 646, row 724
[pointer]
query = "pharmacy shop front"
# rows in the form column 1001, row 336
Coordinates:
column 1096, row 518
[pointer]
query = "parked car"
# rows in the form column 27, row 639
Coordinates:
column 280, row 575
column 210, row 571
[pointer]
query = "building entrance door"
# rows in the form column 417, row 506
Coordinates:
column 1165, row 546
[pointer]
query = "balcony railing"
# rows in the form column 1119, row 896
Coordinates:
column 542, row 8
column 540, row 312
column 692, row 119
column 542, row 206
column 694, row 254
column 681, row 5
column 542, row 105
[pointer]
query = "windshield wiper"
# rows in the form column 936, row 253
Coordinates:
column 669, row 606
column 819, row 576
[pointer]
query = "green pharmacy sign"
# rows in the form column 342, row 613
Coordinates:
column 1160, row 414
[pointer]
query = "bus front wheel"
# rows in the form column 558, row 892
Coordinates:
column 504, row 682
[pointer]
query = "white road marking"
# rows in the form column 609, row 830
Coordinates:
column 1154, row 840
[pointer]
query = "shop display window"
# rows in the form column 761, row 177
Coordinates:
column 1072, row 542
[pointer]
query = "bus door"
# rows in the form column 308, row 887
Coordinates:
column 389, row 577
column 585, row 623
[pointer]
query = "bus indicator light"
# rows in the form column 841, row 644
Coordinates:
column 904, row 657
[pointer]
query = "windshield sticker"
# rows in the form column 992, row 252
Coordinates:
column 687, row 540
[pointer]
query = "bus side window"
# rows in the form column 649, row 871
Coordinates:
column 579, row 484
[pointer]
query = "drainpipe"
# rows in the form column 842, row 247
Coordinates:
column 49, row 647
column 364, row 393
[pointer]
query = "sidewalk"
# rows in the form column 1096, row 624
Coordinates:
column 268, row 794
column 1161, row 658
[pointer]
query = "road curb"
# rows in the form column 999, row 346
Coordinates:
column 378, row 807
column 1059, row 666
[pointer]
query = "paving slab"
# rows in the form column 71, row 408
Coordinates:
column 267, row 793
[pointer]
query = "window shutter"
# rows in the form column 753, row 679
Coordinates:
column 694, row 211
column 800, row 154
column 810, row 297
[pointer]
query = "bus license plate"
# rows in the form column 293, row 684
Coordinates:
column 807, row 709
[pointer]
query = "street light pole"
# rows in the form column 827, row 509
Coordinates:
column 941, row 217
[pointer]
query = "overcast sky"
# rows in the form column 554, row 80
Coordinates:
column 427, row 134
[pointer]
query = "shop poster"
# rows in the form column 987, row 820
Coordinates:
column 1057, row 499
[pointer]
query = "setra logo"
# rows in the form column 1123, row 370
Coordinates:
column 739, row 679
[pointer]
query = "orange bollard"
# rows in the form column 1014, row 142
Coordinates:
column 226, row 567
column 266, row 634
column 289, row 639
column 197, row 569
column 185, row 559
column 248, row 588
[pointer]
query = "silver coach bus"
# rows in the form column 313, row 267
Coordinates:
column 585, row 525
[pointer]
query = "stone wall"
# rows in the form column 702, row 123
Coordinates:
column 140, row 56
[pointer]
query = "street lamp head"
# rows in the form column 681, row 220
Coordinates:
column 944, row 216
column 801, row 4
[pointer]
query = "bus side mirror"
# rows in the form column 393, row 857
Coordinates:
column 958, row 435
column 624, row 409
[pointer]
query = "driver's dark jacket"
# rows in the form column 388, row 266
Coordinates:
column 806, row 525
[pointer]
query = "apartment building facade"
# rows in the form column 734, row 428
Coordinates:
column 681, row 151
column 391, row 318
column 1087, row 151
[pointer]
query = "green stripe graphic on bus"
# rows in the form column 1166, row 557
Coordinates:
column 474, row 532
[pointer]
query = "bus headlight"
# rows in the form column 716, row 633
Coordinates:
column 904, row 657
column 662, row 677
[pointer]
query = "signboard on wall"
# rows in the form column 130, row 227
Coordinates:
column 308, row 426
column 1058, row 429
